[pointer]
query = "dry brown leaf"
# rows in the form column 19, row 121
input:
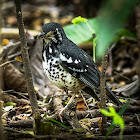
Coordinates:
column 80, row 104
column 85, row 126
column 89, row 135
column 87, row 122
column 14, row 79
column 99, row 123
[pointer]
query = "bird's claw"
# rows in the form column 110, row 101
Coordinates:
column 60, row 114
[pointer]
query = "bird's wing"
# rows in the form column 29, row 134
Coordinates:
column 79, row 64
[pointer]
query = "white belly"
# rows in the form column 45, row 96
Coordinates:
column 59, row 77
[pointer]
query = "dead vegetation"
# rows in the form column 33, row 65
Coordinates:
column 122, row 76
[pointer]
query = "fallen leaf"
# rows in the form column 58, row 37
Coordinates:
column 5, row 42
column 99, row 124
column 18, row 58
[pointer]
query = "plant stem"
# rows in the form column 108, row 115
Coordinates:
column 103, row 93
column 25, row 58
column 1, row 65
column 27, row 67
column 121, row 134
column 90, row 28
column 94, row 59
column 93, row 42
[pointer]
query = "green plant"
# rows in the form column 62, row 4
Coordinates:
column 117, row 119
column 81, row 19
column 121, row 112
column 108, row 25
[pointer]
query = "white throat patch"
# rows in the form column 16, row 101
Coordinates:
column 59, row 35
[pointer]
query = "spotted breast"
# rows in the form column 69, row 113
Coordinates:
column 57, row 74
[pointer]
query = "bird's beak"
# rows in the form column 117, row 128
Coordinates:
column 41, row 35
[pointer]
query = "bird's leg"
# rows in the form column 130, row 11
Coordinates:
column 71, row 99
column 66, row 90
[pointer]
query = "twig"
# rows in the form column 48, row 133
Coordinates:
column 12, row 46
column 25, row 58
column 103, row 92
column 117, row 78
column 13, row 32
column 7, row 48
column 110, row 67
column 86, row 104
column 6, row 63
column 122, row 75
column 11, row 98
column 28, row 74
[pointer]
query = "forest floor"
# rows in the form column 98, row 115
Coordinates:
column 121, row 76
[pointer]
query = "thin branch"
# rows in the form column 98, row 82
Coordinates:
column 26, row 61
column 7, row 62
column 103, row 92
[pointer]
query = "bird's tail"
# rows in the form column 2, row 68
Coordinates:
column 112, row 96
column 109, row 94
column 91, row 92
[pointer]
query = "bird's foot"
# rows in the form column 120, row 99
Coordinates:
column 60, row 114
column 68, row 104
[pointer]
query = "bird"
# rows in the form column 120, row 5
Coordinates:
column 68, row 66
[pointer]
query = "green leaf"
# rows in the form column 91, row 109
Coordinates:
column 118, row 120
column 112, row 111
column 29, row 132
column 80, row 33
column 107, row 25
column 10, row 104
column 122, row 110
column 111, row 128
column 111, row 18
column 59, row 123
column 127, row 33
column 106, row 113
column 79, row 19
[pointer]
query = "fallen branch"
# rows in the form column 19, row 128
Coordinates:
column 80, row 115
column 129, row 130
column 12, row 47
column 117, row 78
column 14, row 33
column 10, row 98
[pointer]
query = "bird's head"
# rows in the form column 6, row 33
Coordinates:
column 52, row 32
